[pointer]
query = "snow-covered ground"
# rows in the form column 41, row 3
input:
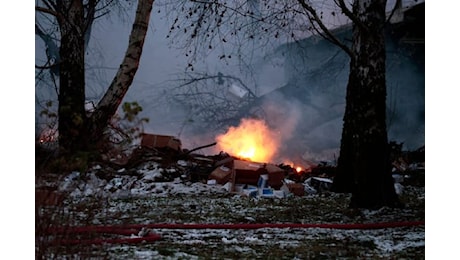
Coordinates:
column 142, row 196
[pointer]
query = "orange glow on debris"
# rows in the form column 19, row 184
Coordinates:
column 252, row 140
column 298, row 169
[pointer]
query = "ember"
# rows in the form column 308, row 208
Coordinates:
column 252, row 140
column 298, row 169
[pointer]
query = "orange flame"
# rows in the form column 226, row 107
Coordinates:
column 298, row 169
column 252, row 140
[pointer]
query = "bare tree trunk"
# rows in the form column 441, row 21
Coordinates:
column 364, row 167
column 108, row 105
column 72, row 117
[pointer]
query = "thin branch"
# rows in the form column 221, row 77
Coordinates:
column 100, row 15
column 224, row 5
column 47, row 11
column 397, row 5
column 206, row 77
column 313, row 17
column 105, row 6
column 349, row 13
column 90, row 12
column 44, row 67
column 50, row 4
column 39, row 31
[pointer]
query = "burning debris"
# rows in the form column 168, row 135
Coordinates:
column 244, row 168
column 160, row 159
column 239, row 173
column 252, row 140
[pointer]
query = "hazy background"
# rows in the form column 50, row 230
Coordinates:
column 300, row 92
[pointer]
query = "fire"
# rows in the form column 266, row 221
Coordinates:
column 298, row 169
column 252, row 140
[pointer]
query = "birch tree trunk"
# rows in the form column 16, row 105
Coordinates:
column 77, row 132
column 364, row 168
column 108, row 105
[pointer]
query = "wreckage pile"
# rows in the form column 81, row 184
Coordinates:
column 160, row 161
column 234, row 175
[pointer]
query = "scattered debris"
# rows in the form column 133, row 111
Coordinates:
column 153, row 141
column 298, row 189
column 221, row 174
column 408, row 166
column 160, row 159
column 318, row 185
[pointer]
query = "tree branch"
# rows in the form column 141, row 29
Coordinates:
column 50, row 4
column 314, row 18
column 90, row 9
column 44, row 67
column 349, row 14
column 46, row 10
column 105, row 6
column 123, row 79
column 194, row 79
column 397, row 5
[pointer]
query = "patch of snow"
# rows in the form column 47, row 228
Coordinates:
column 145, row 254
column 388, row 244
column 229, row 241
column 171, row 170
column 251, row 239
column 76, row 193
column 250, row 219
column 194, row 242
column 399, row 188
column 182, row 163
column 88, row 191
column 96, row 167
column 182, row 255
column 152, row 175
column 72, row 176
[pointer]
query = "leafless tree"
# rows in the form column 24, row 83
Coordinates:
column 363, row 165
column 214, row 100
column 72, row 21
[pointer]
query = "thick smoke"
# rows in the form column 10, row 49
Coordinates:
column 306, row 132
column 306, row 112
